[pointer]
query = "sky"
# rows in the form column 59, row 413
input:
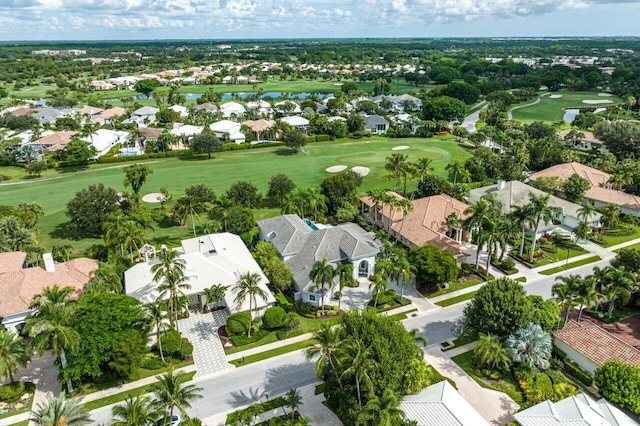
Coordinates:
column 238, row 19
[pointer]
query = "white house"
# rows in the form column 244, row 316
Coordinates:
column 262, row 106
column 287, row 107
column 297, row 122
column 232, row 109
column 228, row 130
column 183, row 111
column 104, row 139
column 186, row 130
column 143, row 116
column 301, row 243
column 209, row 259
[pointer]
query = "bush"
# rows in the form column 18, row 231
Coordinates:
column 153, row 363
column 241, row 340
column 238, row 323
column 304, row 308
column 171, row 342
column 577, row 372
column 275, row 317
column 386, row 297
column 186, row 349
column 557, row 377
column 12, row 392
column 281, row 334
column 508, row 263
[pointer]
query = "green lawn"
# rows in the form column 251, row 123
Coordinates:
column 456, row 299
column 273, row 352
column 23, row 423
column 570, row 265
column 631, row 247
column 551, row 110
column 461, row 341
column 256, row 409
column 560, row 255
column 454, row 287
column 620, row 235
column 507, row 384
column 257, row 166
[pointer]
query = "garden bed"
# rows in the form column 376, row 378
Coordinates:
column 19, row 405
column 619, row 235
column 465, row 282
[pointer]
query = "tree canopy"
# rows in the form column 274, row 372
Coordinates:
column 434, row 266
column 90, row 208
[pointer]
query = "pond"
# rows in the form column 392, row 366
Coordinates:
column 571, row 113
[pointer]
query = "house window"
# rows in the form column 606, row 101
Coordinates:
column 312, row 298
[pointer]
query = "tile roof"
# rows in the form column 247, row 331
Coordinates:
column 19, row 285
column 259, row 125
column 597, row 344
column 56, row 141
column 12, row 261
column 588, row 136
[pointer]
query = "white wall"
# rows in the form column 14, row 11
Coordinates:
column 584, row 363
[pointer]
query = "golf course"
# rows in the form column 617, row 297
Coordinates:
column 306, row 169
column 551, row 106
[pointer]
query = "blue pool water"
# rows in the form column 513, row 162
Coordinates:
column 311, row 225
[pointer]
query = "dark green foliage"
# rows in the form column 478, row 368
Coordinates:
column 619, row 383
column 386, row 297
column 557, row 376
column 278, row 274
column 499, row 308
column 244, row 194
column 153, row 363
column 465, row 92
column 294, row 139
column 304, row 308
column 629, row 258
column 206, row 142
column 575, row 187
column 434, row 266
column 90, row 207
column 128, row 353
column 186, row 349
column 433, row 185
column 103, row 321
column 171, row 342
column 275, row 317
column 238, row 323
column 279, row 186
column 546, row 313
column 240, row 220
column 11, row 392
column 146, row 87
column 443, row 108
column 281, row 334
column 201, row 194
column 621, row 137
column 339, row 189
column 574, row 370
column 166, row 116
column 76, row 153
column 136, row 176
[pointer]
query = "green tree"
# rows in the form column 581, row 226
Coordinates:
column 78, row 152
column 248, row 287
column 14, row 236
column 339, row 189
column 90, row 207
column 322, row 273
column 330, row 340
column 244, row 194
column 138, row 411
column 433, row 266
column 377, row 286
column 56, row 411
column 293, row 400
column 171, row 393
column 157, row 315
column 398, row 168
column 146, row 86
column 619, row 383
column 530, row 346
column 617, row 284
column 214, row 294
column 359, row 362
column 443, row 108
column 172, row 283
column 294, row 140
column 546, row 313
column 499, row 308
column 540, row 211
column 565, row 293
column 490, row 352
column 136, row 176
column 279, row 186
column 629, row 258
column 575, row 187
column 383, row 410
column 128, row 353
column 202, row 194
column 344, row 271
column 206, row 142
column 240, row 220
column 188, row 206
column 13, row 353
column 611, row 215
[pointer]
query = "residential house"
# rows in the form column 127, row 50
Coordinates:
column 143, row 116
column 109, row 115
column 583, row 140
column 232, row 109
column 241, row 79
column 211, row 108
column 590, row 345
column 600, row 191
column 287, row 107
column 425, row 224
column 259, row 127
column 301, row 243
column 20, row 284
column 297, row 122
column 182, row 110
column 55, row 141
column 399, row 102
column 228, row 130
column 104, row 139
column 88, row 112
column 376, row 124
column 185, row 131
column 209, row 259
column 227, row 79
column 50, row 115
column 440, row 404
column 516, row 193
column 262, row 106
column 574, row 410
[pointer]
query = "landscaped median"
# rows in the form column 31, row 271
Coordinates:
column 570, row 265
column 456, row 299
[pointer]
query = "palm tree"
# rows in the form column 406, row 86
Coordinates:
column 417, row 338
column 171, row 288
column 214, row 294
column 51, row 297
column 406, row 272
column 611, row 215
column 383, row 411
column 397, row 167
column 169, row 261
column 582, row 231
column 565, row 293
column 104, row 279
column 188, row 206
column 421, row 168
column 58, row 411
column 345, row 278
column 321, row 274
column 112, row 230
column 491, row 237
column 157, row 314
column 293, row 400
column 455, row 168
column 585, row 211
column 13, row 353
column 618, row 284
column 540, row 211
column 587, row 294
column 359, row 361
column 530, row 346
column 508, row 231
column 490, row 351
column 171, row 393
column 221, row 205
column 330, row 341
column 406, row 207
column 138, row 411
column 378, row 197
column 630, row 102
column 248, row 285
column 377, row 286
column 132, row 237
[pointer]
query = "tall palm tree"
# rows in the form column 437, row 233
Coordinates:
column 397, row 167
column 587, row 294
column 404, row 273
column 104, row 279
column 221, row 205
column 330, row 341
column 113, row 229
column 377, row 198
column 248, row 285
column 293, row 400
column 345, row 278
column 508, row 231
column 172, row 287
column 565, row 292
column 455, row 168
column 168, row 261
column 359, row 362
column 540, row 211
column 13, row 353
column 51, row 297
column 582, row 231
column 214, row 294
column 421, row 168
column 611, row 215
column 171, row 393
column 491, row 237
column 321, row 274
column 377, row 286
column 188, row 206
column 618, row 284
column 406, row 207
column 530, row 346
column 585, row 211
column 138, row 411
column 383, row 410
column 490, row 351
column 418, row 339
column 58, row 412
column 157, row 315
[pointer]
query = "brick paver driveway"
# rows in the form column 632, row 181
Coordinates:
column 202, row 332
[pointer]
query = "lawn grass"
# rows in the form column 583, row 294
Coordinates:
column 456, row 299
column 507, row 384
column 22, row 423
column 256, row 409
column 551, row 110
column 521, row 279
column 461, row 341
column 612, row 240
column 273, row 352
column 570, row 265
column 401, row 316
column 118, row 397
column 560, row 255
column 306, row 169
column 454, row 287
column 631, row 247
column 320, row 388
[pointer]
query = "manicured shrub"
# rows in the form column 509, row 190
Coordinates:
column 281, row 334
column 304, row 308
column 386, row 297
column 186, row 349
column 577, row 372
column 557, row 376
column 508, row 263
column 238, row 323
column 274, row 318
column 153, row 363
column 12, row 392
column 171, row 342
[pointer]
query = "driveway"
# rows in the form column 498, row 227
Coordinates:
column 202, row 332
column 355, row 297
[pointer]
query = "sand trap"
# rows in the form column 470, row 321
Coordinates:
column 337, row 84
column 597, row 101
column 605, row 94
column 336, row 169
column 154, row 197
column 399, row 148
column 362, row 171
column 555, row 96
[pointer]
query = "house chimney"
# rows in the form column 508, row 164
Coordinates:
column 500, row 185
column 49, row 265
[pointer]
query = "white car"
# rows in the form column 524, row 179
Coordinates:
column 175, row 421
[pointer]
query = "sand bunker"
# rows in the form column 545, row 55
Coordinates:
column 336, row 169
column 154, row 197
column 605, row 94
column 555, row 96
column 362, row 171
column 597, row 101
column 399, row 148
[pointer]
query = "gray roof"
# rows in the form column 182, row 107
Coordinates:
column 146, row 110
column 287, row 233
column 441, row 405
column 372, row 120
column 49, row 115
column 516, row 193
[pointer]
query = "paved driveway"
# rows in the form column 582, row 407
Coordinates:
column 202, row 332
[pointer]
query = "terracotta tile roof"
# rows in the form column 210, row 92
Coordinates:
column 18, row 286
column 56, row 141
column 259, row 125
column 109, row 113
column 588, row 136
column 89, row 110
column 22, row 111
column 597, row 344
column 12, row 261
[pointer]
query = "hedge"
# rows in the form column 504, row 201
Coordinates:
column 238, row 323
column 574, row 370
column 12, row 392
column 275, row 317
